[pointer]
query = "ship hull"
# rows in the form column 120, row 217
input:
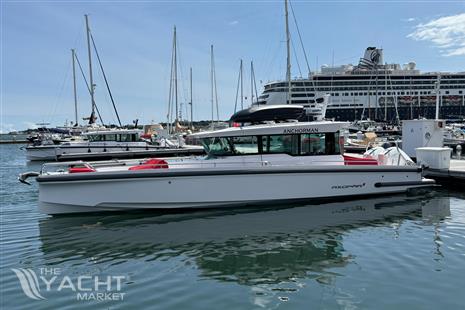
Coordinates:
column 352, row 114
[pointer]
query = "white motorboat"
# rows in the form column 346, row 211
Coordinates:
column 454, row 134
column 252, row 165
column 98, row 144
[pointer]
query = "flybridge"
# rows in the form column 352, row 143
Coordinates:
column 275, row 129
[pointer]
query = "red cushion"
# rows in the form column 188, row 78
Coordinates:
column 80, row 169
column 152, row 163
column 356, row 161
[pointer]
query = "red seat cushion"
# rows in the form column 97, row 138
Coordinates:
column 81, row 169
column 152, row 163
column 356, row 161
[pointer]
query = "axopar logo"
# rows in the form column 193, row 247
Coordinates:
column 84, row 287
column 345, row 186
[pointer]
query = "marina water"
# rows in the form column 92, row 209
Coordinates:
column 385, row 252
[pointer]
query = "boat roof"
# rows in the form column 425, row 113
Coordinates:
column 112, row 132
column 260, row 113
column 275, row 129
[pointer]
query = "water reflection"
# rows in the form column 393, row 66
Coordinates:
column 254, row 246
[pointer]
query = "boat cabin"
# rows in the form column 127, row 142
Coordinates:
column 295, row 139
column 113, row 136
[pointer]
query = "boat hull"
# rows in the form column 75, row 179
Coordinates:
column 214, row 188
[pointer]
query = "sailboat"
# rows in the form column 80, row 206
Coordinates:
column 315, row 109
column 99, row 142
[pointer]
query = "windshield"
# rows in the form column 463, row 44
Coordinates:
column 313, row 144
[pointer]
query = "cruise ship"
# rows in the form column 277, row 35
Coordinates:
column 374, row 90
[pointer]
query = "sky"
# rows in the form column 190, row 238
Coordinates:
column 134, row 41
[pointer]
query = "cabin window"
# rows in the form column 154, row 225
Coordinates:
column 110, row 137
column 95, row 138
column 217, row 146
column 312, row 144
column 124, row 138
column 279, row 144
column 245, row 145
column 320, row 144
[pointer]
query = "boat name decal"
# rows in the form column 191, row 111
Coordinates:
column 348, row 186
column 300, row 130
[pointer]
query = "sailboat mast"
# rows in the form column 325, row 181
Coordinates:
column 192, row 109
column 251, row 83
column 175, row 78
column 73, row 51
column 242, row 86
column 288, row 50
column 254, row 81
column 211, row 82
column 91, row 79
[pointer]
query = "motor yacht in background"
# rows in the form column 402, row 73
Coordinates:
column 266, row 163
column 454, row 134
column 90, row 142
column 116, row 143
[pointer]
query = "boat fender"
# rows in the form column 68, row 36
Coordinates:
column 24, row 176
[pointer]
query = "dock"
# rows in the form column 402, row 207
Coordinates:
column 455, row 173
column 10, row 138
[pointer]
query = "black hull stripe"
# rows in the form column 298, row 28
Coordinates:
column 412, row 183
column 91, row 176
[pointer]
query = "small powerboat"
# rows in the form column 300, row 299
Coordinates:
column 108, row 144
column 251, row 165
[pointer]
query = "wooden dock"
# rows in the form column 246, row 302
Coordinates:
column 455, row 173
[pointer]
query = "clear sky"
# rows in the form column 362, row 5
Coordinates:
column 134, row 40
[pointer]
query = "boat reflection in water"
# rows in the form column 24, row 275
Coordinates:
column 247, row 246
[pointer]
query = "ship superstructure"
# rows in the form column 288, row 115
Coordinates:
column 374, row 90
